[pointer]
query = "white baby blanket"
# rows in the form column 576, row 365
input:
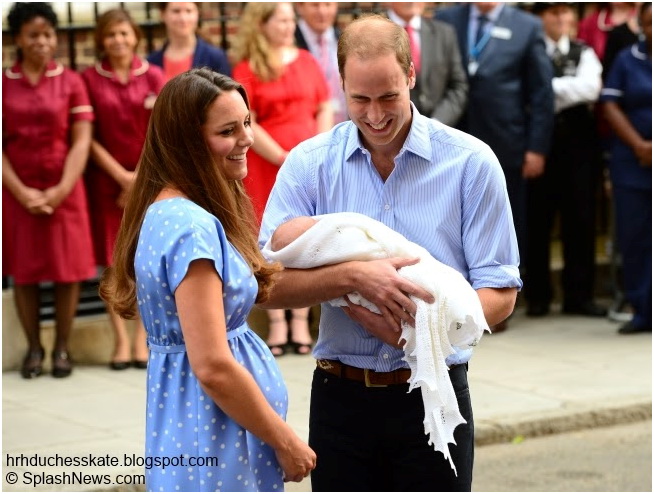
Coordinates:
column 455, row 319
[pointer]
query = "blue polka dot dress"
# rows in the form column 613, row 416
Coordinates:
column 201, row 447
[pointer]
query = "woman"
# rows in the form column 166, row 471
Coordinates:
column 46, row 118
column 627, row 105
column 183, row 49
column 290, row 103
column 123, row 88
column 595, row 27
column 187, row 254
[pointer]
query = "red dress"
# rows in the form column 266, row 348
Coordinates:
column 122, row 112
column 36, row 124
column 286, row 108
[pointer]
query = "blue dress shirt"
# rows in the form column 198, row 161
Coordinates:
column 447, row 193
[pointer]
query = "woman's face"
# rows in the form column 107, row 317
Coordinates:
column 119, row 40
column 228, row 134
column 37, row 41
column 181, row 18
column 279, row 30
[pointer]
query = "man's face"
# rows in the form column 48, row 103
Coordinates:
column 377, row 97
column 320, row 16
column 407, row 10
column 557, row 21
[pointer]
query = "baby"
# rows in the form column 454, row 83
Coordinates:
column 456, row 318
column 288, row 232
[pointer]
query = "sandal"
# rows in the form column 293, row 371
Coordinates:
column 300, row 348
column 32, row 364
column 61, row 364
column 278, row 349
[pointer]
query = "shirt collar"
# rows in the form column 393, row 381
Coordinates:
column 493, row 15
column 417, row 142
column 415, row 21
column 53, row 69
column 312, row 37
column 139, row 67
column 639, row 51
column 563, row 45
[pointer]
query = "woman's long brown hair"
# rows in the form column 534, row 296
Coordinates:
column 175, row 155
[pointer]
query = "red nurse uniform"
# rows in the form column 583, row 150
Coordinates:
column 286, row 108
column 36, row 124
column 122, row 111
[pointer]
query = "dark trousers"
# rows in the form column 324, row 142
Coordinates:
column 568, row 186
column 373, row 439
column 633, row 222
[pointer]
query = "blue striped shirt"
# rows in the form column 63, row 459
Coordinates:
column 446, row 193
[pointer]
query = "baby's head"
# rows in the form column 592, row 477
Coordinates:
column 289, row 231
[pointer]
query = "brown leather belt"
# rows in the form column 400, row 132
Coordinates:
column 371, row 378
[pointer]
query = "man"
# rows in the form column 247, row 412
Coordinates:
column 441, row 89
column 438, row 187
column 317, row 33
column 510, row 98
column 569, row 182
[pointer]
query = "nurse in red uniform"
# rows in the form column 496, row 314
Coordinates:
column 46, row 118
column 122, row 88
column 289, row 102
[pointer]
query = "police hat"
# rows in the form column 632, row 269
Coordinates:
column 539, row 7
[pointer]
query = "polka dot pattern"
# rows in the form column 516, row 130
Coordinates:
column 180, row 418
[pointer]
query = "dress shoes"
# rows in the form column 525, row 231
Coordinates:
column 119, row 365
column 586, row 309
column 631, row 328
column 538, row 309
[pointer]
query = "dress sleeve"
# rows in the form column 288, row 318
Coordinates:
column 614, row 85
column 80, row 107
column 197, row 241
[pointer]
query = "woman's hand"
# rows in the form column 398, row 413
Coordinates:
column 34, row 200
column 55, row 195
column 126, row 182
column 296, row 458
column 643, row 151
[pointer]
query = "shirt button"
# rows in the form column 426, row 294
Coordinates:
column 387, row 207
column 386, row 355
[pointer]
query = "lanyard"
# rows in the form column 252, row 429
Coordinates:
column 476, row 50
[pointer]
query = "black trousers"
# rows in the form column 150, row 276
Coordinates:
column 568, row 186
column 373, row 439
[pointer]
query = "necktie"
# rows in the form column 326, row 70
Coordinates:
column 557, row 62
column 413, row 45
column 483, row 20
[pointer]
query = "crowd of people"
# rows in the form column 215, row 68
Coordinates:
column 466, row 133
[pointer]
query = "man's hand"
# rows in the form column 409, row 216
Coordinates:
column 533, row 166
column 380, row 283
column 375, row 324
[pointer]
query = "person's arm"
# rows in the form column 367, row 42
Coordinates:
column 74, row 164
column 201, row 313
column 583, row 87
column 626, row 132
column 449, row 109
column 104, row 160
column 31, row 199
column 265, row 146
column 497, row 303
column 377, row 281
column 537, row 76
column 325, row 116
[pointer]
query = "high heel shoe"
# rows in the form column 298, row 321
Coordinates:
column 61, row 364
column 278, row 349
column 32, row 364
column 298, row 347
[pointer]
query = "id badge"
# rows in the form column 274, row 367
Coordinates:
column 473, row 65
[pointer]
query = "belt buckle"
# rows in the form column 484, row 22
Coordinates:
column 366, row 378
column 324, row 364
